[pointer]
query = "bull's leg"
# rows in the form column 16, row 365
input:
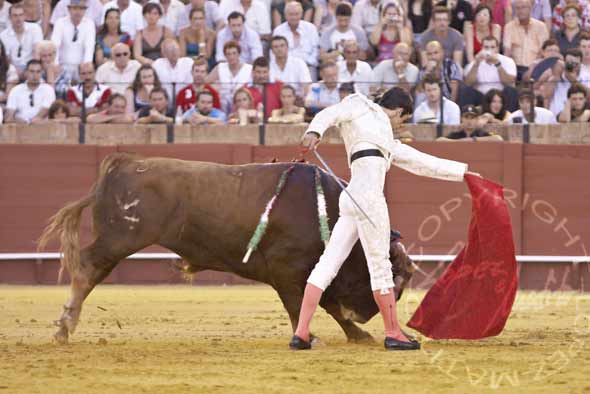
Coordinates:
column 292, row 302
column 353, row 332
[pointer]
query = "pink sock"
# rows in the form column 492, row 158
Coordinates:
column 386, row 304
column 311, row 299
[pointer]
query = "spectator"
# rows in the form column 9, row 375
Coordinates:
column 332, row 39
column 119, row 72
column 213, row 19
column 90, row 93
column 575, row 106
column 289, row 111
column 243, row 109
column 461, row 13
column 549, row 49
column 260, row 78
column 541, row 11
column 396, row 71
column 8, row 75
column 115, row 113
column 172, row 13
column 4, row 18
column 93, row 12
column 278, row 8
column 53, row 72
column 29, row 101
column 501, row 11
column 249, row 41
column 493, row 108
column 173, row 71
column 158, row 111
column 585, row 66
column 131, row 15
column 325, row 92
column 390, row 31
column 138, row 94
column 430, row 110
column 302, row 36
column 524, row 37
column 19, row 38
column 229, row 76
column 558, row 85
column 288, row 69
column 255, row 13
column 109, row 34
column 470, row 130
column 443, row 68
column 451, row 40
column 583, row 5
column 345, row 89
column 147, row 46
column 38, row 12
column 353, row 70
column 481, row 28
column 197, row 39
column 419, row 14
column 528, row 113
column 75, row 39
column 366, row 15
column 324, row 15
column 569, row 36
column 204, row 113
column 490, row 70
column 187, row 96
column 60, row 113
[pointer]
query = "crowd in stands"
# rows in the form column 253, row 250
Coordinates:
column 468, row 62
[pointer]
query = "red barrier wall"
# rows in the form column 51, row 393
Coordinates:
column 547, row 188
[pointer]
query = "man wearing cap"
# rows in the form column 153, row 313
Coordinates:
column 74, row 36
column 366, row 128
column 529, row 113
column 470, row 130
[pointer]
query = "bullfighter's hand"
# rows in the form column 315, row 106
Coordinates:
column 310, row 141
column 477, row 174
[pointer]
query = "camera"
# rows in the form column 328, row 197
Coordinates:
column 569, row 66
column 517, row 119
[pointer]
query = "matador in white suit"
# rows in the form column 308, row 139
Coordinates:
column 366, row 128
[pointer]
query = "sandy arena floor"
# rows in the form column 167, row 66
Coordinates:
column 234, row 340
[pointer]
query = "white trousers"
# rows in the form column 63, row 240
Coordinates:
column 366, row 186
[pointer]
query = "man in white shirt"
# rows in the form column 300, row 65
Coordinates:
column 236, row 30
column 93, row 12
column 119, row 72
column 556, row 87
column 365, row 14
column 332, row 39
column 19, row 38
column 490, row 70
column 93, row 95
column 255, row 11
column 30, row 101
column 302, row 36
column 528, row 113
column 4, row 17
column 131, row 15
column 396, row 71
column 584, row 77
column 213, row 18
column 75, row 39
column 288, row 69
column 350, row 69
column 174, row 71
column 429, row 111
column 325, row 92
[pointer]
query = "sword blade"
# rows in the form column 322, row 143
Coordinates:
column 329, row 171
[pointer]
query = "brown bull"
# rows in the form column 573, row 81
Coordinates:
column 206, row 213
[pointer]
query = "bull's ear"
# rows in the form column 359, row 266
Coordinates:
column 394, row 236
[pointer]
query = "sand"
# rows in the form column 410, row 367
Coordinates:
column 182, row 339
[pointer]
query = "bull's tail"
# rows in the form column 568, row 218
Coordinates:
column 65, row 224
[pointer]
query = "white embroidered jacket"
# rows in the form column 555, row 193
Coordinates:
column 362, row 121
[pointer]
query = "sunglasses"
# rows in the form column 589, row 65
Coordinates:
column 20, row 51
column 31, row 100
column 75, row 38
column 121, row 54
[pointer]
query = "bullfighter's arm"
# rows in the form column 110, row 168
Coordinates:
column 350, row 108
column 423, row 164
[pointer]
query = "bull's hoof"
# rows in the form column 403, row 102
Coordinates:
column 361, row 337
column 61, row 336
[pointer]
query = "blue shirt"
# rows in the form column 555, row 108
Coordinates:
column 215, row 114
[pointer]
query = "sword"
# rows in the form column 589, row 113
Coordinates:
column 329, row 171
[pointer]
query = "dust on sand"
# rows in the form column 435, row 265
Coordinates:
column 181, row 339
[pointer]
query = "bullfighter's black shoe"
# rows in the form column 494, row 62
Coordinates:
column 299, row 344
column 396, row 344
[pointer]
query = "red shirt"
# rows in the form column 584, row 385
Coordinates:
column 273, row 96
column 187, row 97
column 96, row 99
